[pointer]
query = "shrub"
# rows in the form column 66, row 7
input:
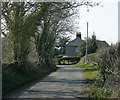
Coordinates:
column 69, row 60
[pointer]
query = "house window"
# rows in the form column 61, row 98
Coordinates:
column 76, row 50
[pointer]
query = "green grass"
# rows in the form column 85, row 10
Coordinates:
column 11, row 81
column 91, row 72
column 90, row 69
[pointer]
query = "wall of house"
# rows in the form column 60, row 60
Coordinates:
column 71, row 51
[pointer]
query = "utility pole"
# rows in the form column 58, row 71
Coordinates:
column 86, row 58
column 87, row 44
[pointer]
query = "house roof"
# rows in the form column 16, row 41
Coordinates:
column 75, row 42
column 102, row 45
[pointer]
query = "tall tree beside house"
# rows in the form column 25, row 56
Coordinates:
column 92, row 46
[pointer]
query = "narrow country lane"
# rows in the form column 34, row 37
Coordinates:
column 66, row 82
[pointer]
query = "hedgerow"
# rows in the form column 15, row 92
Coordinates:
column 106, row 84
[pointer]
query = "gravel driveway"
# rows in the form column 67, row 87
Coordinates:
column 66, row 82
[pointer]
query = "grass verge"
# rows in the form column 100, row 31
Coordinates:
column 11, row 81
column 91, row 74
column 90, row 69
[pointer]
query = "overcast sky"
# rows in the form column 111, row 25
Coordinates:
column 102, row 20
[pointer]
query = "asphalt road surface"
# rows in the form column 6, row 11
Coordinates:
column 66, row 82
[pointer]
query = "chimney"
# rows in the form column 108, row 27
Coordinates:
column 78, row 35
